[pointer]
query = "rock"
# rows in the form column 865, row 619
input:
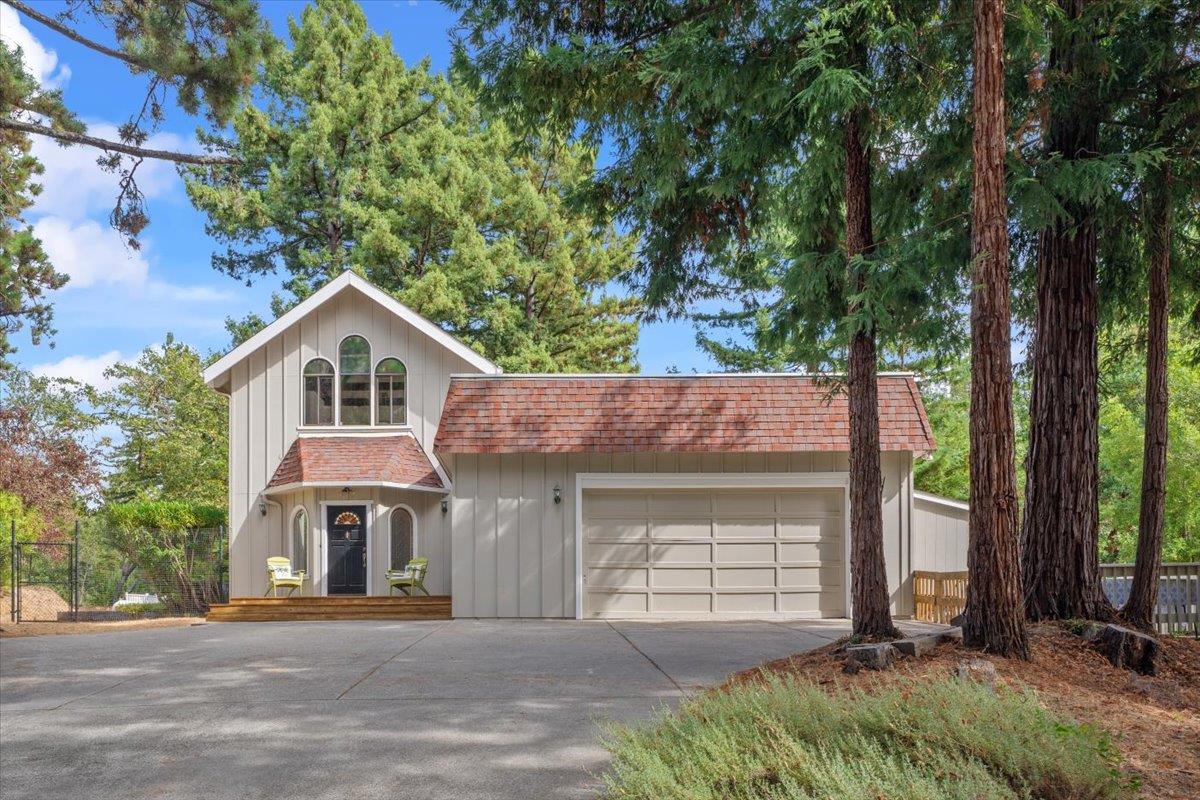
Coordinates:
column 851, row 667
column 957, row 620
column 917, row 646
column 979, row 670
column 872, row 656
column 1092, row 631
column 1126, row 648
column 952, row 635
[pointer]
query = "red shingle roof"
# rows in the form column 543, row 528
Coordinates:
column 348, row 460
column 610, row 414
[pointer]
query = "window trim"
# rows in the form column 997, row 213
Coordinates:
column 337, row 419
column 304, row 423
column 296, row 512
column 375, row 391
column 416, row 551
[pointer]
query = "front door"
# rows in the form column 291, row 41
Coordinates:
column 347, row 532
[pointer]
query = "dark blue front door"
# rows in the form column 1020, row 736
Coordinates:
column 347, row 532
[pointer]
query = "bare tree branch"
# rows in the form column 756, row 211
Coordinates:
column 54, row 24
column 198, row 159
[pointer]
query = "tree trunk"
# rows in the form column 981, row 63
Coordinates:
column 994, row 616
column 1060, row 531
column 1143, row 597
column 868, row 572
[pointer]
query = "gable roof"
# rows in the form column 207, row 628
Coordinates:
column 699, row 413
column 395, row 461
column 215, row 375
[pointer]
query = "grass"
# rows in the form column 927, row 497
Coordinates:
column 788, row 738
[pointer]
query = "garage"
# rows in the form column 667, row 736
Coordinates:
column 713, row 552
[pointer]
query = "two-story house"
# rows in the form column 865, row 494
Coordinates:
column 361, row 434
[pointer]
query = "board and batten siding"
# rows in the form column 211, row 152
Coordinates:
column 513, row 548
column 265, row 396
column 939, row 533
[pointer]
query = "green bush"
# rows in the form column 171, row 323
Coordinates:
column 141, row 608
column 926, row 741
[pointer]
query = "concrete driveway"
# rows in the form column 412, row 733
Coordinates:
column 428, row 710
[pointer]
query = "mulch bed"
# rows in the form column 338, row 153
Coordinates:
column 1154, row 721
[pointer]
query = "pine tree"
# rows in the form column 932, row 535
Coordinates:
column 356, row 161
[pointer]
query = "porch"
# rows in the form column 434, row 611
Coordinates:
column 362, row 607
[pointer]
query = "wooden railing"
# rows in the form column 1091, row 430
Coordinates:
column 941, row 596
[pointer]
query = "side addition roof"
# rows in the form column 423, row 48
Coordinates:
column 216, row 374
column 700, row 413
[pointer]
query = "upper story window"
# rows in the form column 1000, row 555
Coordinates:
column 354, row 364
column 318, row 392
column 390, row 408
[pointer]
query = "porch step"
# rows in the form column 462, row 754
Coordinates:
column 285, row 609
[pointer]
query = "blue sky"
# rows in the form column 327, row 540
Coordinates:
column 120, row 301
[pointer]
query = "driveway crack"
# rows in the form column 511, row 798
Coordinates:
column 653, row 663
column 391, row 658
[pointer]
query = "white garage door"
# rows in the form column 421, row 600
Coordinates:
column 708, row 552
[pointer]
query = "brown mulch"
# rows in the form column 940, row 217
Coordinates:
column 1154, row 721
column 14, row 629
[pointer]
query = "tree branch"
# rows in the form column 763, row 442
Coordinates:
column 118, row 147
column 53, row 24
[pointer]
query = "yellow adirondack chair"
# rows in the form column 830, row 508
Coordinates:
column 409, row 579
column 280, row 575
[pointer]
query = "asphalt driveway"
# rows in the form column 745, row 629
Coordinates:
column 429, row 710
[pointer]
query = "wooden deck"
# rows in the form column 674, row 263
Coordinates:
column 288, row 609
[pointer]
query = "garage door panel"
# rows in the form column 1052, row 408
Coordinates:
column 728, row 553
column 713, row 551
column 597, row 552
column 810, row 529
column 676, row 553
column 616, row 529
column 826, row 551
column 682, row 577
column 746, row 528
column 680, row 603
column 681, row 528
column 746, row 577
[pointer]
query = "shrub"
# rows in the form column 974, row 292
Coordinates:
column 788, row 738
column 136, row 609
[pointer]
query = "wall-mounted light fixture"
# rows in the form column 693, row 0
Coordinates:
column 557, row 494
column 345, row 490
column 445, row 505
column 262, row 507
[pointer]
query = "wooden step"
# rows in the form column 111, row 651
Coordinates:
column 281, row 609
column 356, row 599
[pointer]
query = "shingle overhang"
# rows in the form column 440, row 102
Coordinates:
column 701, row 413
column 393, row 461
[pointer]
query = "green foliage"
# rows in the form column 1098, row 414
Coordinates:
column 26, row 274
column 165, row 515
column 139, row 609
column 356, row 161
column 174, row 429
column 29, row 528
column 791, row 739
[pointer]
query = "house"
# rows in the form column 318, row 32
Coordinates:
column 362, row 434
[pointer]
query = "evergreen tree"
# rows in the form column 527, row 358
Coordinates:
column 355, row 161
column 753, row 145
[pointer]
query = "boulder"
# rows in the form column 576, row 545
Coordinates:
column 1124, row 647
column 917, row 646
column 979, row 670
column 872, row 656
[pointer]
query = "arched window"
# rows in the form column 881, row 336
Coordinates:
column 300, row 540
column 403, row 538
column 354, row 368
column 318, row 392
column 390, row 406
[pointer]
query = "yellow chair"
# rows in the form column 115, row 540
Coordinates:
column 279, row 574
column 410, row 579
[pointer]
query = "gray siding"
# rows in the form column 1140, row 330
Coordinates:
column 503, row 508
column 264, row 420
column 939, row 535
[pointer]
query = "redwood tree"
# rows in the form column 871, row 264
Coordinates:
column 1059, row 534
column 994, row 617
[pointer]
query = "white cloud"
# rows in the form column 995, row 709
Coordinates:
column 189, row 294
column 74, row 186
column 41, row 62
column 87, row 369
column 90, row 253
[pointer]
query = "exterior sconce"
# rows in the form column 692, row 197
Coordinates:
column 445, row 505
column 262, row 507
column 557, row 494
